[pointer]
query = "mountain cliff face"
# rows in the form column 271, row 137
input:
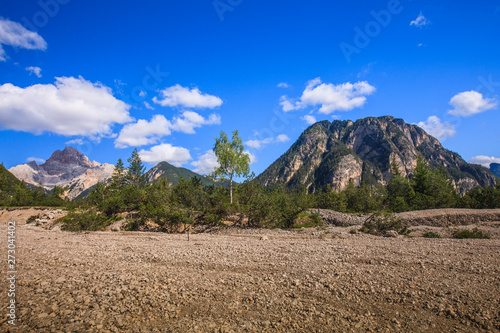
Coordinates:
column 64, row 168
column 495, row 168
column 342, row 151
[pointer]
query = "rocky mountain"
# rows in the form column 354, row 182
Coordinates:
column 495, row 168
column 64, row 168
column 174, row 174
column 361, row 151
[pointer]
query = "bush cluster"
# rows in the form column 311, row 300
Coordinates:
column 474, row 233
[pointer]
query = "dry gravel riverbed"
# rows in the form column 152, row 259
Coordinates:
column 241, row 280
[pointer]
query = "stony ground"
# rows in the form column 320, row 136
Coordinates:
column 242, row 280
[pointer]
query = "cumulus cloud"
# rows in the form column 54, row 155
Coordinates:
column 78, row 142
column 282, row 138
column 436, row 128
column 206, row 163
column 14, row 34
column 166, row 152
column 148, row 106
column 261, row 143
column 286, row 104
column 34, row 70
column 469, row 103
column 283, row 85
column 190, row 120
column 331, row 97
column 145, row 132
column 309, row 119
column 36, row 159
column 420, row 21
column 484, row 160
column 179, row 96
column 253, row 158
column 71, row 106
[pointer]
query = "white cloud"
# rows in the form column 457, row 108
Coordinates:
column 206, row 163
column 166, row 152
column 148, row 106
column 469, row 103
column 14, row 34
column 484, row 160
column 71, row 106
column 282, row 138
column 142, row 93
column 286, row 104
column 191, row 120
column 34, row 70
column 253, row 158
column 420, row 21
column 309, row 119
column 283, row 85
column 178, row 96
column 436, row 128
column 256, row 144
column 36, row 159
column 143, row 132
column 78, row 142
column 331, row 97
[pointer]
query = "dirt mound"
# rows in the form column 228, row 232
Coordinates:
column 432, row 217
column 449, row 217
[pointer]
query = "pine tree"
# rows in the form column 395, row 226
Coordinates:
column 394, row 167
column 118, row 177
column 135, row 173
column 421, row 177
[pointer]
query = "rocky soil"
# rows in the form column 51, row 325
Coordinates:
column 250, row 280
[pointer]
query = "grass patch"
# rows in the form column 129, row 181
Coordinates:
column 85, row 220
column 431, row 234
column 474, row 233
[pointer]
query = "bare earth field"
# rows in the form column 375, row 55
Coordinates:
column 251, row 280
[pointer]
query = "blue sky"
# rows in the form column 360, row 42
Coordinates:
column 166, row 77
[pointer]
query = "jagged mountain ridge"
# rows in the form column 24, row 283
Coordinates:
column 338, row 152
column 69, row 168
column 174, row 174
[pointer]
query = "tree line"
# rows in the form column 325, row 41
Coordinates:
column 165, row 206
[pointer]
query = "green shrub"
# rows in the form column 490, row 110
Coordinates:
column 380, row 224
column 431, row 234
column 85, row 220
column 306, row 220
column 353, row 231
column 474, row 233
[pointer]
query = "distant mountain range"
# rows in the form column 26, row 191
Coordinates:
column 71, row 169
column 334, row 153
column 174, row 174
column 327, row 153
column 64, row 168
